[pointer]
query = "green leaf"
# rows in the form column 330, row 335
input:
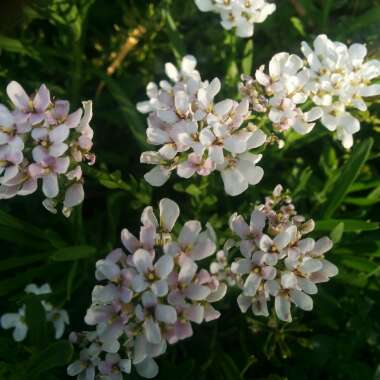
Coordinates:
column 337, row 233
column 350, row 225
column 229, row 368
column 135, row 123
column 298, row 26
column 108, row 180
column 359, row 263
column 361, row 22
column 348, row 175
column 16, row 262
column 58, row 354
column 16, row 46
column 22, row 238
column 75, row 252
column 175, row 37
column 18, row 224
column 35, row 317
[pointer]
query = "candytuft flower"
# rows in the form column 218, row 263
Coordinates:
column 198, row 136
column 150, row 295
column 241, row 15
column 41, row 141
column 333, row 79
column 277, row 260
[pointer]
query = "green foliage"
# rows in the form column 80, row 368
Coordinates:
column 70, row 44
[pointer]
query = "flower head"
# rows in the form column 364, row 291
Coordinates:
column 241, row 15
column 40, row 140
column 152, row 293
column 277, row 259
column 198, row 136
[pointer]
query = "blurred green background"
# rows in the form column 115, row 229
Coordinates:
column 107, row 51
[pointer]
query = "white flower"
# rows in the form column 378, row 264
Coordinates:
column 239, row 14
column 59, row 318
column 197, row 135
column 34, row 289
column 339, row 80
column 17, row 322
column 240, row 172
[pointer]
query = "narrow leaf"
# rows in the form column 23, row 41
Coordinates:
column 73, row 253
column 349, row 173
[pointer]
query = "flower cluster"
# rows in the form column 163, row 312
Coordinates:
column 197, row 135
column 239, row 14
column 40, row 139
column 150, row 296
column 58, row 317
column 278, row 260
column 334, row 79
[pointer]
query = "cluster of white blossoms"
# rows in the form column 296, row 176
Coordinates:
column 278, row 260
column 239, row 14
column 333, row 79
column 150, row 296
column 40, row 139
column 197, row 135
column 58, row 317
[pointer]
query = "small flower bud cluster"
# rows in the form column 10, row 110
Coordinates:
column 239, row 14
column 58, row 317
column 40, row 139
column 149, row 297
column 220, row 267
column 333, row 79
column 278, row 260
column 198, row 136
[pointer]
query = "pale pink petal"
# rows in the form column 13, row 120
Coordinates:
column 74, row 195
column 130, row 242
column 282, row 307
column 142, row 259
column 42, row 99
column 302, row 300
column 166, row 313
column 50, row 185
column 18, row 96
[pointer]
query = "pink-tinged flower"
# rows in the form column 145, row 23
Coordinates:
column 29, row 110
column 40, row 138
column 191, row 244
column 48, row 168
column 84, row 368
column 195, row 164
column 277, row 260
column 195, row 134
column 114, row 367
column 251, row 234
column 10, row 161
column 8, row 130
column 185, row 285
column 151, row 275
column 258, row 272
column 150, row 296
column 240, row 172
